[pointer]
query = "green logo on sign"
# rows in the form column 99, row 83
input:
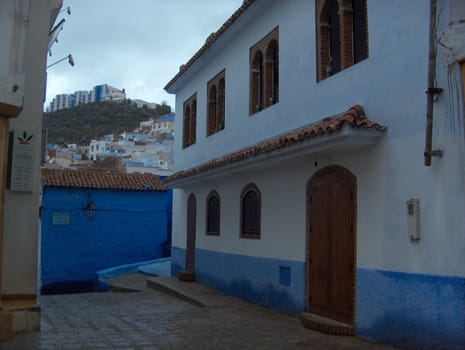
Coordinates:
column 24, row 140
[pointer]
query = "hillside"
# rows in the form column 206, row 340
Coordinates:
column 90, row 121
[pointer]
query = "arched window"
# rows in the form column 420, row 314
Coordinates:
column 264, row 72
column 212, row 118
column 221, row 103
column 256, row 83
column 342, row 35
column 193, row 121
column 213, row 214
column 272, row 74
column 360, row 26
column 250, row 211
column 216, row 107
column 187, row 125
column 189, row 121
column 329, row 39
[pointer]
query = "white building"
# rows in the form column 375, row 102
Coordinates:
column 164, row 124
column 101, row 149
column 82, row 97
column 142, row 103
column 300, row 178
column 147, row 125
column 24, row 33
column 106, row 92
column 159, row 125
column 98, row 93
column 60, row 102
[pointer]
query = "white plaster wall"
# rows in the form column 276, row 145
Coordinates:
column 13, row 26
column 398, row 50
column 391, row 86
column 20, row 241
column 382, row 239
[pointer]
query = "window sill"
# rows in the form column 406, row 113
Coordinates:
column 250, row 236
column 214, row 234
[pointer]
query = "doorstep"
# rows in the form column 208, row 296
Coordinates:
column 326, row 325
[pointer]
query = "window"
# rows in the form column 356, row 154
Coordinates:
column 213, row 214
column 264, row 73
column 190, row 121
column 216, row 100
column 250, row 211
column 342, row 35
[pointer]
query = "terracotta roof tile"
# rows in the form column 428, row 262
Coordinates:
column 354, row 117
column 210, row 40
column 103, row 180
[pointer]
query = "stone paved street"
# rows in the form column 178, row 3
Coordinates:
column 150, row 319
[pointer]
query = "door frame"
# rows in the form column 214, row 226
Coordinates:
column 191, row 231
column 339, row 171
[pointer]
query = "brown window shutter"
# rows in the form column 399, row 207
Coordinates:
column 360, row 30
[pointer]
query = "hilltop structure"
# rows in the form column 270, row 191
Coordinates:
column 99, row 93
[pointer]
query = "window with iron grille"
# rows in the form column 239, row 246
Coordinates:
column 213, row 214
column 250, row 211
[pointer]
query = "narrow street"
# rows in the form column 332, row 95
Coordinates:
column 150, row 319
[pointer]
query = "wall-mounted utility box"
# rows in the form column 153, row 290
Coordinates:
column 413, row 219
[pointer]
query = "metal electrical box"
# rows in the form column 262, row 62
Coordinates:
column 413, row 219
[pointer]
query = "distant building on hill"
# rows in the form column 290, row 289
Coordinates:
column 107, row 93
column 142, row 103
column 99, row 93
column 160, row 125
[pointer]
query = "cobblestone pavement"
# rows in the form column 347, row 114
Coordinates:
column 153, row 320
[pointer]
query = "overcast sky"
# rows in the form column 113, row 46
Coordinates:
column 137, row 45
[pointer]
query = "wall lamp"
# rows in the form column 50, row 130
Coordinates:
column 91, row 209
column 69, row 58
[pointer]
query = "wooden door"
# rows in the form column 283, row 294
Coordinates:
column 330, row 257
column 190, row 233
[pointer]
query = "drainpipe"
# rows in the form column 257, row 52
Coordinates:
column 432, row 90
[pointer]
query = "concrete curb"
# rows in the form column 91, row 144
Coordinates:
column 169, row 289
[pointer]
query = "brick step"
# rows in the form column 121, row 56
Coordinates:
column 18, row 316
column 325, row 325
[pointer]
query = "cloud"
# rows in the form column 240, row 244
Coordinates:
column 135, row 45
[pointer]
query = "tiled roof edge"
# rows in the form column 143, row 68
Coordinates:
column 354, row 116
column 102, row 180
column 210, row 40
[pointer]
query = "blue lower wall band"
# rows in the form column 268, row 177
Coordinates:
column 254, row 279
column 411, row 309
column 399, row 308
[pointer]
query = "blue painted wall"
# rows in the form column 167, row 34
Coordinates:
column 391, row 307
column 275, row 283
column 411, row 309
column 128, row 227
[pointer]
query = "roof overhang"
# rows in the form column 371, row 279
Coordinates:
column 216, row 42
column 339, row 134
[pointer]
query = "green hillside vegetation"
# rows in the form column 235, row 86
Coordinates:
column 90, row 121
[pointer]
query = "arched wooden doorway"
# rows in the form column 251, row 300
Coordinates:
column 190, row 233
column 330, row 253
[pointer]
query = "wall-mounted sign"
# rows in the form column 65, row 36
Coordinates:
column 60, row 218
column 21, row 171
